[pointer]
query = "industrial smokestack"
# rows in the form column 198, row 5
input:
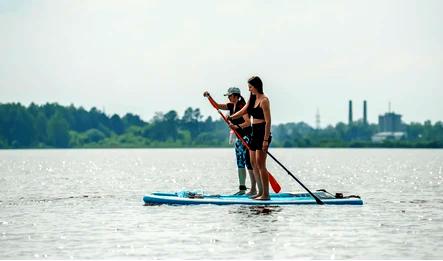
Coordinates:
column 350, row 113
column 365, row 112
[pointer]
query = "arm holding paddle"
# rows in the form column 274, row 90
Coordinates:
column 240, row 113
column 245, row 124
column 221, row 106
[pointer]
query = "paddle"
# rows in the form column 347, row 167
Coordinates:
column 274, row 184
column 271, row 178
column 312, row 194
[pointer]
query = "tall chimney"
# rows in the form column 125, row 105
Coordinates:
column 317, row 120
column 350, row 113
column 365, row 113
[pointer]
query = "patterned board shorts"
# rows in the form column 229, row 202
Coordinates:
column 242, row 154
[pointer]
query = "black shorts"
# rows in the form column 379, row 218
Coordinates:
column 258, row 135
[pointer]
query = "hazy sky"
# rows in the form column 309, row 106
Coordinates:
column 149, row 56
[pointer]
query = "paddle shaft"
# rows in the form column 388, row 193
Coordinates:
column 299, row 182
column 274, row 184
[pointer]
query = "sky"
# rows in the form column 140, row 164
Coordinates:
column 145, row 56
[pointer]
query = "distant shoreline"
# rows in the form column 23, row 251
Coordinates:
column 54, row 126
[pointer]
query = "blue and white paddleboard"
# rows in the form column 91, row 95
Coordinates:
column 189, row 198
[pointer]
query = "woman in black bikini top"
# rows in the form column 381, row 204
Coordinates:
column 261, row 133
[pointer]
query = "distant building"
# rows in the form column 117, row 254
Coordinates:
column 350, row 113
column 390, row 122
column 382, row 136
column 390, row 128
column 365, row 113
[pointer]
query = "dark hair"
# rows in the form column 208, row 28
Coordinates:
column 241, row 101
column 257, row 83
column 252, row 99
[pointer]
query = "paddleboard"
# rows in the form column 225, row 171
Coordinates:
column 190, row 198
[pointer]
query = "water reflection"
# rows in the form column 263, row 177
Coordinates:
column 251, row 211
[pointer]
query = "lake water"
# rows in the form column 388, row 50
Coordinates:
column 83, row 204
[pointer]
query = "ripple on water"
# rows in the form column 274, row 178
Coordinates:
column 83, row 204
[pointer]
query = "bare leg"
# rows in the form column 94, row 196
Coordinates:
column 256, row 174
column 253, row 189
column 264, row 174
column 259, row 184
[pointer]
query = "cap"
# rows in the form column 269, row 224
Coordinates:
column 233, row 90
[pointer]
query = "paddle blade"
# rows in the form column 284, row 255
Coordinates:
column 274, row 184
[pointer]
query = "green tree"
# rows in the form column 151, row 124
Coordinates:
column 117, row 124
column 191, row 121
column 94, row 135
column 58, row 131
column 132, row 120
column 40, row 125
column 414, row 131
column 17, row 125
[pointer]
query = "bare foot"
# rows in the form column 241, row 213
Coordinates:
column 251, row 193
column 256, row 196
column 262, row 198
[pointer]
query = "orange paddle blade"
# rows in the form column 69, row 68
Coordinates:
column 274, row 184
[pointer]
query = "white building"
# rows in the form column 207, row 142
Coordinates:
column 382, row 136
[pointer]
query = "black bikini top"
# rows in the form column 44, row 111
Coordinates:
column 256, row 112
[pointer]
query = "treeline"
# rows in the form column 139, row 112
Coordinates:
column 54, row 126
column 357, row 135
